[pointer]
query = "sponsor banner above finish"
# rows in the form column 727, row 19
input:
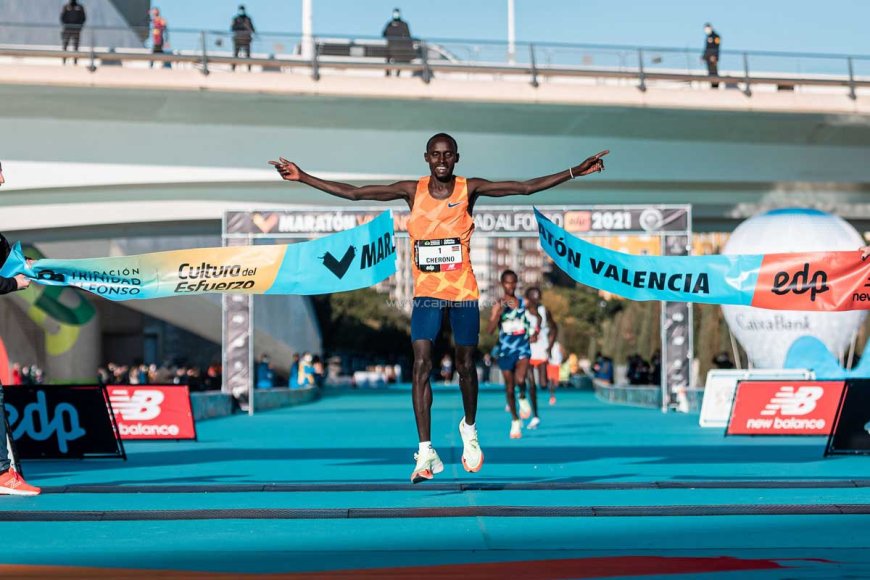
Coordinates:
column 353, row 259
column 785, row 407
column 152, row 412
column 496, row 221
column 823, row 281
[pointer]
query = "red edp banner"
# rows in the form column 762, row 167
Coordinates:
column 785, row 407
column 152, row 412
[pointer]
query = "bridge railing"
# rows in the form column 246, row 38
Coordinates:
column 535, row 63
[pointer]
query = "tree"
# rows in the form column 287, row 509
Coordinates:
column 362, row 322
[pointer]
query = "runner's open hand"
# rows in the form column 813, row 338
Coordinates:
column 593, row 164
column 288, row 170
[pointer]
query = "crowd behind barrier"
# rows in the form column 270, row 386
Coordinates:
column 308, row 370
column 27, row 375
column 197, row 379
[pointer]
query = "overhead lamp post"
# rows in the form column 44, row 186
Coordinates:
column 512, row 32
column 307, row 30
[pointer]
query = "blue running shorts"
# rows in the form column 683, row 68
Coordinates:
column 428, row 313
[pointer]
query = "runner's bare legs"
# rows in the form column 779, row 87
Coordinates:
column 467, row 381
column 421, row 389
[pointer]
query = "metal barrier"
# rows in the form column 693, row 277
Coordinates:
column 551, row 62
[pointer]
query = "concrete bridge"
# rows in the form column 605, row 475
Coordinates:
column 167, row 151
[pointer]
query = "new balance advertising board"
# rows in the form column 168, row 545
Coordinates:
column 153, row 412
column 852, row 431
column 785, row 407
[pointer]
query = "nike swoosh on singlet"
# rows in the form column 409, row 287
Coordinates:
column 453, row 204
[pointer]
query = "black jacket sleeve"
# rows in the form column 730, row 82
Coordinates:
column 8, row 285
column 5, row 250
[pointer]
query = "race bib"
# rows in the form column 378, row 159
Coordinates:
column 438, row 255
column 513, row 326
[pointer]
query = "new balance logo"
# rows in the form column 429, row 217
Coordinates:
column 142, row 405
column 788, row 401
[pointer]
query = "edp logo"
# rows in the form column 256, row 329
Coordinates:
column 38, row 424
column 50, row 275
column 801, row 282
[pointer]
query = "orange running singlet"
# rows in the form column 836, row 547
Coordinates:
column 440, row 231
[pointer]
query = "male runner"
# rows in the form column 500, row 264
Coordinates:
column 11, row 482
column 554, row 370
column 542, row 349
column 440, row 228
column 515, row 327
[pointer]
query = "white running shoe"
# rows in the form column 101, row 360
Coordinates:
column 472, row 456
column 525, row 409
column 533, row 424
column 428, row 464
column 516, row 429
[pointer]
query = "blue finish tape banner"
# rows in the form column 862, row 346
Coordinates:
column 823, row 281
column 348, row 260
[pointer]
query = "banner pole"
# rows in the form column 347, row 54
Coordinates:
column 852, row 347
column 252, row 367
column 735, row 350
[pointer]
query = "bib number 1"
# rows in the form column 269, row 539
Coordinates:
column 438, row 255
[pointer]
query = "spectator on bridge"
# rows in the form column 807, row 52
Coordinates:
column 159, row 35
column 243, row 33
column 72, row 19
column 400, row 47
column 711, row 53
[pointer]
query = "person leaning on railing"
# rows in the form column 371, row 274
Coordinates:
column 72, row 18
column 711, row 53
column 243, row 34
column 11, row 482
column 400, row 46
column 159, row 34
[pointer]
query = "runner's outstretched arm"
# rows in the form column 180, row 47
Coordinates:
column 289, row 171
column 478, row 187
